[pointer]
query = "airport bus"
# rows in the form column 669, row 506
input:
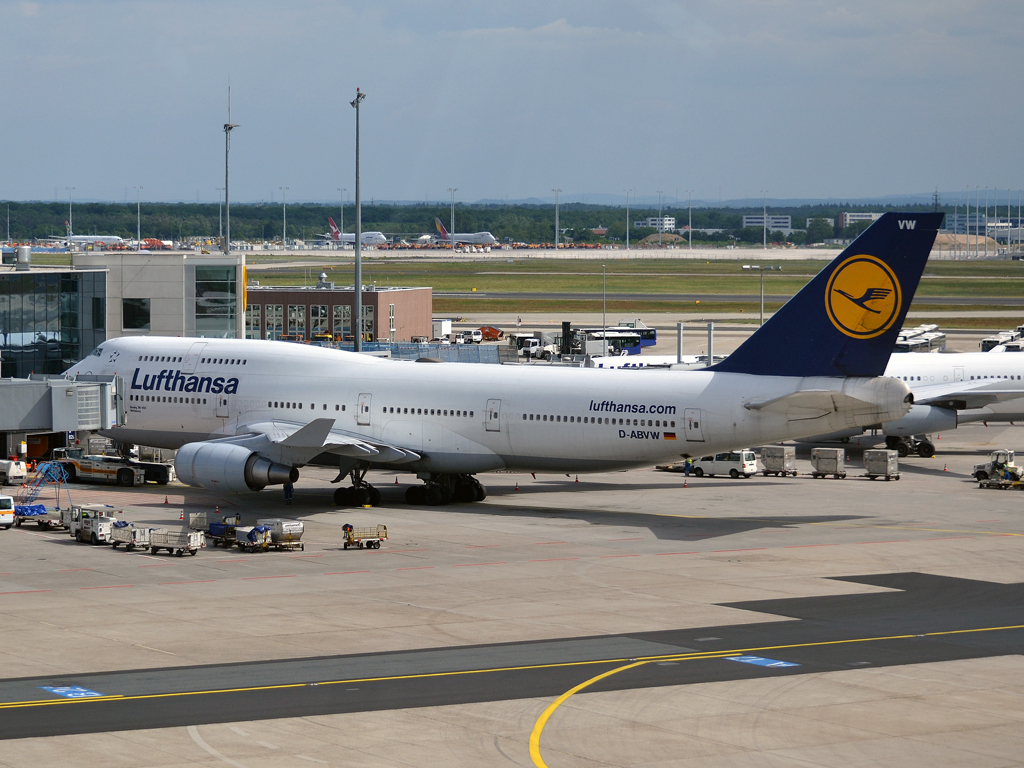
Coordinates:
column 619, row 341
column 648, row 336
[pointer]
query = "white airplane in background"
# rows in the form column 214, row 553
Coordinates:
column 368, row 238
column 465, row 238
column 90, row 239
column 245, row 414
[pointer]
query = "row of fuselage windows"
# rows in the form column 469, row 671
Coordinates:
column 597, row 420
column 174, row 359
column 167, row 399
column 973, row 378
column 427, row 411
column 301, row 406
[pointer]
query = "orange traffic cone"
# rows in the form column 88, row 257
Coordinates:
column 577, row 478
column 396, row 479
column 684, row 484
column 944, row 468
column 166, row 501
column 217, row 510
column 517, row 486
column 182, row 516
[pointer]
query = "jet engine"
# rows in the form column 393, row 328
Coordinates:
column 922, row 420
column 227, row 467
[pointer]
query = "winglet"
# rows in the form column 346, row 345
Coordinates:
column 313, row 435
column 845, row 321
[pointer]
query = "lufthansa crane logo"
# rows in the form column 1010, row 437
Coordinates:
column 863, row 297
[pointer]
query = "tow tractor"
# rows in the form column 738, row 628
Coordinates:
column 90, row 522
column 100, row 469
column 999, row 466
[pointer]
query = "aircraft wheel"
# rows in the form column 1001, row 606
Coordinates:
column 902, row 450
column 414, row 495
column 465, row 492
column 925, row 449
column 374, row 496
column 433, row 496
column 481, row 492
column 359, row 497
column 341, row 497
column 892, row 442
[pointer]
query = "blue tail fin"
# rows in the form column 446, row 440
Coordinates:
column 845, row 321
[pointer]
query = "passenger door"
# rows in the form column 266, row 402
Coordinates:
column 958, row 374
column 493, row 423
column 692, row 419
column 222, row 406
column 363, row 409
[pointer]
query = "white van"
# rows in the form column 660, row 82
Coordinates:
column 6, row 512
column 732, row 463
column 13, row 472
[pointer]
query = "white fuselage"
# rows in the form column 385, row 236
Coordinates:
column 921, row 370
column 472, row 238
column 368, row 238
column 466, row 417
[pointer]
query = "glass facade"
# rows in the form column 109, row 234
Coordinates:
column 49, row 320
column 252, row 321
column 297, row 320
column 216, row 302
column 275, row 321
column 343, row 321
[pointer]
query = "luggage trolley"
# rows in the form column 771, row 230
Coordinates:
column 370, row 538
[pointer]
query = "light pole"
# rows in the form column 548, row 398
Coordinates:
column 689, row 219
column 138, row 218
column 228, row 128
column 557, row 193
column 627, row 218
column 451, row 232
column 341, row 218
column 220, row 214
column 761, row 270
column 604, row 303
column 661, row 220
column 764, row 216
column 71, row 221
column 284, row 215
column 357, row 309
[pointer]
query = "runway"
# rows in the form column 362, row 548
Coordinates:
column 925, row 619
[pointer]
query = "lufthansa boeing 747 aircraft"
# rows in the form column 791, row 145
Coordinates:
column 249, row 414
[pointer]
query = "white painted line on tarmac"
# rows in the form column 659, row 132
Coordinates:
column 194, row 733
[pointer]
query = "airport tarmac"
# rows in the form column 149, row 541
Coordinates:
column 765, row 621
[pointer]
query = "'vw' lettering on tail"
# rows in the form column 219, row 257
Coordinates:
column 907, row 223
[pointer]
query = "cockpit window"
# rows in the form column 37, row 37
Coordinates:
column 97, row 352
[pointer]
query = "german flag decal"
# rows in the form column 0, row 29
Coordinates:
column 670, row 435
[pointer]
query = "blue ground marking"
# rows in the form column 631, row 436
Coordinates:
column 762, row 662
column 70, row 691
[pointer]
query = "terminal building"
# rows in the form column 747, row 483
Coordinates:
column 775, row 223
column 660, row 223
column 846, row 218
column 389, row 314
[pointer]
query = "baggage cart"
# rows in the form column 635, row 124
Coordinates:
column 175, row 542
column 778, row 460
column 284, row 534
column 200, row 521
column 881, row 462
column 370, row 538
column 1002, row 485
column 828, row 461
column 132, row 537
column 50, row 519
column 252, row 538
column 222, row 533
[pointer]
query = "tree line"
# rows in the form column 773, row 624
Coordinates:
column 513, row 223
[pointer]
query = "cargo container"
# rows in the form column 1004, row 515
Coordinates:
column 778, row 460
column 828, row 461
column 284, row 534
column 880, row 462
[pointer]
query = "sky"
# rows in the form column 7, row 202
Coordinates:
column 727, row 98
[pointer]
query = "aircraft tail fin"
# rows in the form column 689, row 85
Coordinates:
column 335, row 232
column 845, row 321
column 440, row 228
column 67, row 227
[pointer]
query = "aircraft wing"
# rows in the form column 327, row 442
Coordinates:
column 295, row 444
column 807, row 404
column 964, row 395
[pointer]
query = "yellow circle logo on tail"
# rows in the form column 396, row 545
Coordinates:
column 863, row 297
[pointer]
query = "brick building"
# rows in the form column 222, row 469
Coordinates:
column 389, row 314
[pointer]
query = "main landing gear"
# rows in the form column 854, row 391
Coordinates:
column 904, row 446
column 444, row 489
column 359, row 494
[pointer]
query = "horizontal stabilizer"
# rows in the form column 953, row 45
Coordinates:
column 807, row 404
column 964, row 395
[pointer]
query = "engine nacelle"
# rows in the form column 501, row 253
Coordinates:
column 227, row 467
column 922, row 420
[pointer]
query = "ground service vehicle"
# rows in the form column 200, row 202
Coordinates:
column 999, row 466
column 732, row 463
column 490, row 333
column 90, row 523
column 13, row 472
column 6, row 512
column 126, row 533
column 102, row 469
column 175, row 542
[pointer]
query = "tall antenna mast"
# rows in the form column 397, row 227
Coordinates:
column 228, row 127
